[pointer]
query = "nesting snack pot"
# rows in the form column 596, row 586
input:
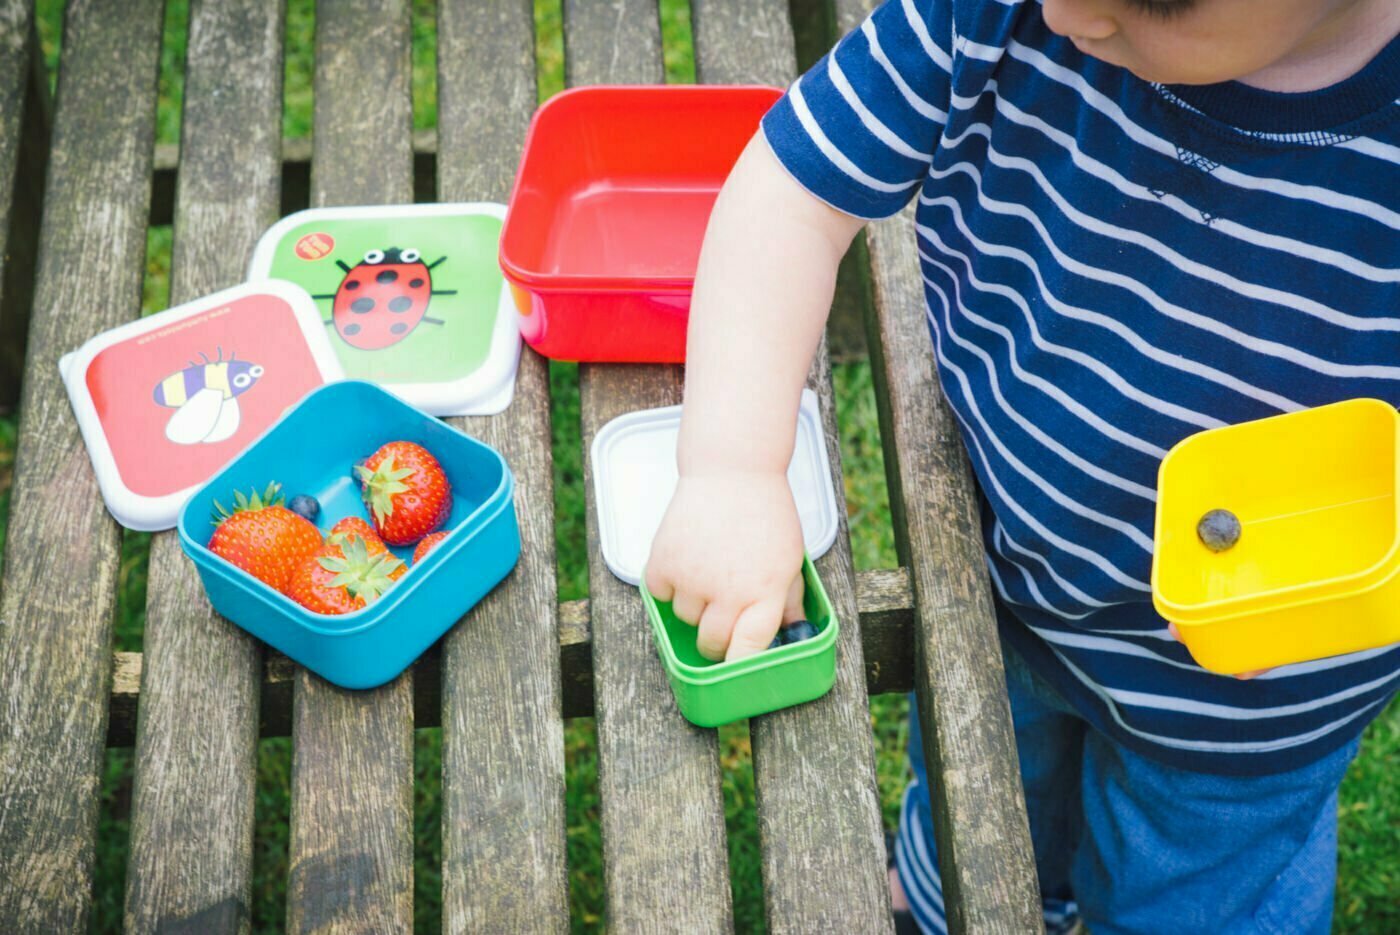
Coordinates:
column 609, row 207
column 713, row 693
column 311, row 451
column 1316, row 570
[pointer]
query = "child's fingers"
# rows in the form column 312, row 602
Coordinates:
column 716, row 625
column 754, row 629
column 1242, row 676
column 688, row 607
column 793, row 609
column 661, row 586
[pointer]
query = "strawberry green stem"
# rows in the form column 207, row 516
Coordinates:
column 381, row 484
column 360, row 575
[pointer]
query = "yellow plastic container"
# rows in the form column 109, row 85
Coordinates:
column 1314, row 573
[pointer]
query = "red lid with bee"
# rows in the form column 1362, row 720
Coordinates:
column 165, row 401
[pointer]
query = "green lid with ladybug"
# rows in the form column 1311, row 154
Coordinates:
column 411, row 297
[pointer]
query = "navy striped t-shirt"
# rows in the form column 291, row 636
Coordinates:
column 1112, row 265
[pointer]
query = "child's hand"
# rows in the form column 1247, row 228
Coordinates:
column 729, row 558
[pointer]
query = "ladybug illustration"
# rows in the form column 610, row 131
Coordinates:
column 383, row 298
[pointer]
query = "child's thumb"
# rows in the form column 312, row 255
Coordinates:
column 754, row 630
column 793, row 609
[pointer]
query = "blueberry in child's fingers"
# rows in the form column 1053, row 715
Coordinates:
column 1219, row 530
column 305, row 507
column 796, row 632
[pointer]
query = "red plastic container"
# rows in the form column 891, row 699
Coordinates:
column 610, row 205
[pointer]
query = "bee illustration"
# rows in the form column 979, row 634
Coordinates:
column 204, row 397
column 383, row 298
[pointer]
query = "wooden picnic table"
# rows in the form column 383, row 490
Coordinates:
column 196, row 700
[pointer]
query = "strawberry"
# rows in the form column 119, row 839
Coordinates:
column 343, row 577
column 354, row 529
column 427, row 545
column 262, row 537
column 406, row 491
column 352, row 526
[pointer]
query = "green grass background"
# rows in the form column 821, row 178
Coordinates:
column 1368, row 897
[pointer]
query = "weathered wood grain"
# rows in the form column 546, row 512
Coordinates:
column 848, row 14
column 24, row 151
column 503, row 739
column 191, row 860
column 988, row 883
column 352, row 756
column 988, row 868
column 814, row 765
column 883, row 596
column 664, row 854
column 663, row 813
column 61, row 553
column 296, row 174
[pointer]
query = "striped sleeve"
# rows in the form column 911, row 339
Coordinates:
column 858, row 131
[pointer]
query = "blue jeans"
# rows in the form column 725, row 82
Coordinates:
column 1132, row 846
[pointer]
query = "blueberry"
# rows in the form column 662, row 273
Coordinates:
column 1219, row 530
column 305, row 507
column 797, row 632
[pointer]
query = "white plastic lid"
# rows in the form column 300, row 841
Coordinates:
column 166, row 401
column 634, row 476
column 411, row 296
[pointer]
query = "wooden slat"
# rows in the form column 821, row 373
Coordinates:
column 988, row 868
column 664, row 855
column 196, row 752
column 296, row 174
column 503, row 740
column 986, row 862
column 24, row 145
column 985, row 856
column 61, row 552
column 352, row 757
column 814, row 765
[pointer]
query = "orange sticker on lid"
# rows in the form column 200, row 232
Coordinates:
column 315, row 246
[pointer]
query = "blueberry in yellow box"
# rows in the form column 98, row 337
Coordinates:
column 411, row 297
column 1278, row 541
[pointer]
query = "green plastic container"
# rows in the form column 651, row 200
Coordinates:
column 713, row 693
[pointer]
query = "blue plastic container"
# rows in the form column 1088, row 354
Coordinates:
column 311, row 450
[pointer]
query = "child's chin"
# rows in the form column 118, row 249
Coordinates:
column 1168, row 75
column 1110, row 54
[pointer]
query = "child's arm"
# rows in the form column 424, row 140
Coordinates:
column 729, row 552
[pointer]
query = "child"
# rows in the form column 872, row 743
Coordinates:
column 1136, row 219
